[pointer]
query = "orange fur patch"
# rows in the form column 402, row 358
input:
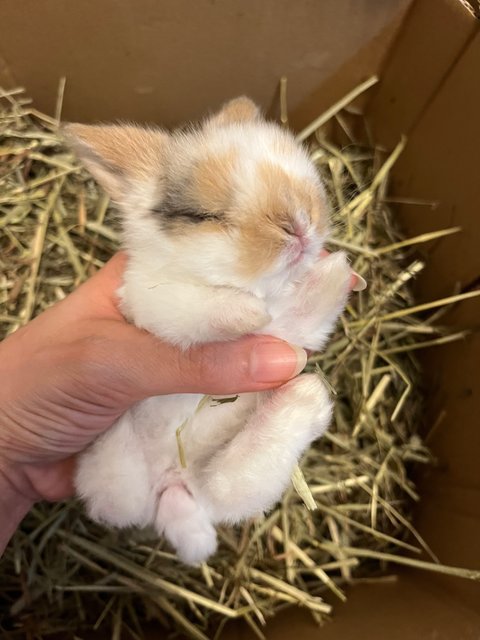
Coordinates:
column 274, row 205
column 211, row 184
column 134, row 150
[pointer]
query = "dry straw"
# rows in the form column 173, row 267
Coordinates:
column 63, row 573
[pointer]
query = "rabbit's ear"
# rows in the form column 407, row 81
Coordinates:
column 121, row 158
column 238, row 110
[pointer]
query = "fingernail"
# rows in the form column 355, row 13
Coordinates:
column 276, row 361
column 360, row 283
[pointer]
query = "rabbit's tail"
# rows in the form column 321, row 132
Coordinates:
column 186, row 525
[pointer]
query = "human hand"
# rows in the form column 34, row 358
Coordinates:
column 70, row 373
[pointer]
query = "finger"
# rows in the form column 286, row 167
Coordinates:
column 357, row 282
column 151, row 367
column 96, row 298
column 100, row 291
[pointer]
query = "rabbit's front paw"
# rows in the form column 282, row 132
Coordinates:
column 328, row 285
column 308, row 314
column 240, row 315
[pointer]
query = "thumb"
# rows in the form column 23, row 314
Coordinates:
column 152, row 367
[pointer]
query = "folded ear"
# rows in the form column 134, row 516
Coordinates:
column 240, row 109
column 122, row 158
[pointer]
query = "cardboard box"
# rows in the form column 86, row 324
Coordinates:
column 170, row 60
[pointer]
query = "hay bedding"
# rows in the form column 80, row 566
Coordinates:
column 346, row 516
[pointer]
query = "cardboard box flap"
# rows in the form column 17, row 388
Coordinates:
column 432, row 39
column 473, row 6
column 440, row 163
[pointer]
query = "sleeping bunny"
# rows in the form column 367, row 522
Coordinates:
column 224, row 225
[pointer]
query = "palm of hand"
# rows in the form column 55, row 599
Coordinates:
column 65, row 380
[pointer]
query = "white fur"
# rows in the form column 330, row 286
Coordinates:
column 239, row 455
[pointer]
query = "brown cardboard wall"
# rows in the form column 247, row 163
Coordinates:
column 409, row 609
column 440, row 163
column 171, row 60
column 433, row 37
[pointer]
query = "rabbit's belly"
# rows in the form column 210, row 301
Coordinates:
column 214, row 426
column 161, row 414
column 156, row 421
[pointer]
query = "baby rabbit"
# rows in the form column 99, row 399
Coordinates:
column 224, row 225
